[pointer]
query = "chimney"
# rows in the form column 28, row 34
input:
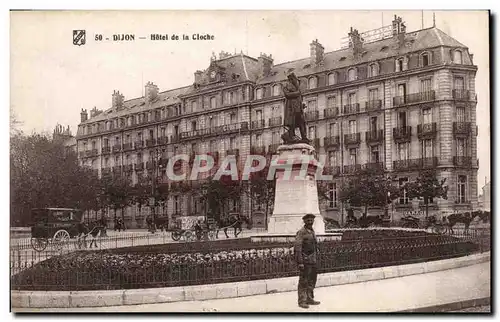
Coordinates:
column 355, row 42
column 83, row 115
column 317, row 51
column 197, row 76
column 151, row 92
column 398, row 30
column 265, row 63
column 117, row 100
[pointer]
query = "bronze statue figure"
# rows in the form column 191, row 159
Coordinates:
column 294, row 112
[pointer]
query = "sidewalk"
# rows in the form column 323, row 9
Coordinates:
column 387, row 295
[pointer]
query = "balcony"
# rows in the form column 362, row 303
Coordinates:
column 91, row 153
column 331, row 170
column 462, row 161
column 402, row 134
column 427, row 130
column 127, row 146
column 311, row 115
column 273, row 148
column 235, row 152
column 106, row 150
column 461, row 128
column 261, row 150
column 276, row 121
column 139, row 166
column 139, row 144
column 150, row 142
column 461, row 95
column 352, row 168
column 374, row 105
column 258, row 124
column 175, row 138
column 415, row 164
column 351, row 108
column 373, row 166
column 352, row 139
column 331, row 112
column 213, row 131
column 332, row 141
column 128, row 168
column 132, row 123
column 374, row 136
column 162, row 140
column 117, row 148
column 414, row 98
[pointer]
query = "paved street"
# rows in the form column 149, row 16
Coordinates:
column 388, row 295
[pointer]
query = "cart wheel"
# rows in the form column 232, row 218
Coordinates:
column 414, row 225
column 211, row 235
column 438, row 229
column 39, row 244
column 189, row 236
column 176, row 235
column 60, row 239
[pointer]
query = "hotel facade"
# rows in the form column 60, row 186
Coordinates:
column 402, row 101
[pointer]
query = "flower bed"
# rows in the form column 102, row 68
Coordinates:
column 180, row 264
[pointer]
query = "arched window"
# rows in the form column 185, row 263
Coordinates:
column 332, row 78
column 276, row 90
column 351, row 74
column 260, row 93
column 373, row 70
column 425, row 59
column 457, row 57
column 312, row 83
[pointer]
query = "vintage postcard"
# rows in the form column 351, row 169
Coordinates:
column 250, row 161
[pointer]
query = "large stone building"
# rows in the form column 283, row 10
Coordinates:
column 400, row 100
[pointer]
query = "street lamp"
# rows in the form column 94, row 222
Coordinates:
column 152, row 199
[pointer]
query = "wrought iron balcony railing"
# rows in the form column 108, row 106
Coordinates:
column 150, row 142
column 233, row 152
column 373, row 105
column 402, row 134
column 261, row 150
column 415, row 164
column 258, row 124
column 462, row 161
column 106, row 149
column 351, row 108
column 373, row 165
column 353, row 138
column 374, row 136
column 462, row 128
column 461, row 95
column 331, row 170
column 139, row 144
column 427, row 130
column 332, row 141
column 127, row 146
column 331, row 112
column 352, row 168
column 276, row 121
column 311, row 115
column 162, row 140
column 414, row 98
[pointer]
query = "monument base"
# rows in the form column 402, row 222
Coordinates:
column 290, row 224
column 289, row 238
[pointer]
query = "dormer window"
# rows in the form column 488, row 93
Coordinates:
column 276, row 90
column 332, row 78
column 457, row 57
column 352, row 75
column 425, row 59
column 373, row 70
column 259, row 93
column 312, row 83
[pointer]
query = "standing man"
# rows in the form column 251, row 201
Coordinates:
column 294, row 111
column 306, row 249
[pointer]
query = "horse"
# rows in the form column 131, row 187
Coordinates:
column 119, row 224
column 160, row 223
column 232, row 222
column 94, row 229
column 465, row 218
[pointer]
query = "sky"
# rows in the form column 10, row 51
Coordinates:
column 51, row 79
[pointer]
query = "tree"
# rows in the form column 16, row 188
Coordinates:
column 118, row 190
column 217, row 193
column 427, row 187
column 261, row 190
column 369, row 187
column 141, row 193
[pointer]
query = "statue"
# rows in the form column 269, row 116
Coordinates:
column 294, row 112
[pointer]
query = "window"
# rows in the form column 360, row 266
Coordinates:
column 194, row 106
column 211, row 121
column 351, row 74
column 276, row 90
column 461, row 147
column 117, row 141
column 332, row 78
column 425, row 59
column 151, row 134
column 333, row 129
column 402, row 90
column 117, row 161
column 373, row 123
column 163, row 132
column 93, row 145
column 213, row 102
column 403, row 199
column 311, row 105
column 332, row 158
column 461, row 114
column 374, row 154
column 458, row 83
column 106, row 143
column 194, row 148
column 399, row 65
column 193, row 126
column 177, row 206
column 139, row 157
column 106, row 162
column 402, row 120
column 232, row 118
column 332, row 195
column 127, row 159
column 312, row 132
column 427, row 116
column 403, row 151
column 258, row 139
column 139, row 136
column 457, row 57
column 353, row 127
column 427, row 149
column 425, row 85
column 373, row 70
column 213, row 146
column 231, row 98
column 353, row 156
column 176, row 130
column 312, row 82
column 351, row 99
column 275, row 138
column 232, row 143
column 260, row 93
column 332, row 102
column 373, row 95
column 258, row 114
column 462, row 184
column 128, row 139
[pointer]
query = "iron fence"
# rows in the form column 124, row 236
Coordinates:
column 226, row 261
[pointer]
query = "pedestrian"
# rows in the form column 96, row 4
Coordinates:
column 306, row 250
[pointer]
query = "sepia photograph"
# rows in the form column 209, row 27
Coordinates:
column 250, row 161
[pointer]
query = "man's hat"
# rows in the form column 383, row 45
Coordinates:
column 308, row 216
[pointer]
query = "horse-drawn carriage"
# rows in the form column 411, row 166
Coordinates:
column 198, row 231
column 431, row 222
column 54, row 226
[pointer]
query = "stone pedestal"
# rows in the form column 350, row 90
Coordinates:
column 296, row 190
